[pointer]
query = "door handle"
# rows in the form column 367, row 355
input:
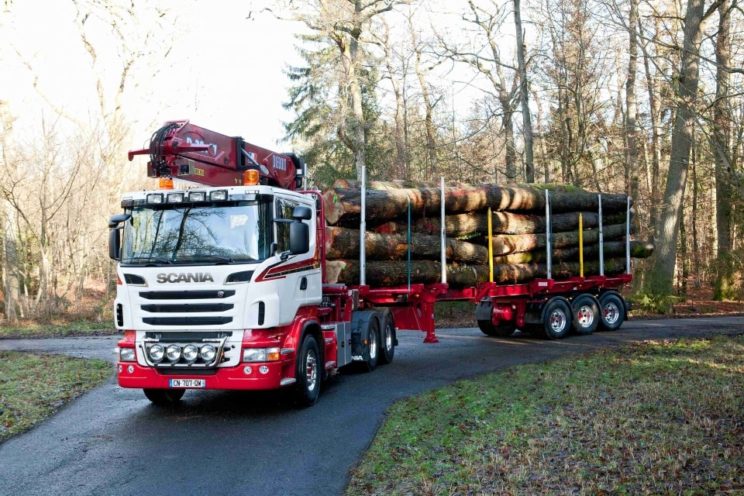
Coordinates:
column 303, row 284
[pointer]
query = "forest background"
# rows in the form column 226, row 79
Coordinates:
column 636, row 96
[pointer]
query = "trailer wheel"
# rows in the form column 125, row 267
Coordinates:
column 612, row 309
column 309, row 372
column 387, row 343
column 503, row 330
column 556, row 319
column 164, row 397
column 372, row 350
column 585, row 314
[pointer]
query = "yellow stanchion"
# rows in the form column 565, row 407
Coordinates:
column 490, row 245
column 581, row 245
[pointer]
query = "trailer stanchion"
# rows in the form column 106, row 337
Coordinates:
column 443, row 236
column 362, row 231
column 548, row 241
column 408, row 244
column 490, row 245
column 627, row 237
column 581, row 245
column 601, row 237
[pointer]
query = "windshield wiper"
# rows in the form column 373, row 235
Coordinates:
column 214, row 258
column 149, row 261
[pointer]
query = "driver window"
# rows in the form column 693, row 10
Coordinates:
column 284, row 210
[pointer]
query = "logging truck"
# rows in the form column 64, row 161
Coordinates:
column 222, row 284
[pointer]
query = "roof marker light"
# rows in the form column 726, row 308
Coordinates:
column 165, row 183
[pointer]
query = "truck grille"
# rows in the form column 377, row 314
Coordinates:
column 186, row 321
column 186, row 295
column 188, row 307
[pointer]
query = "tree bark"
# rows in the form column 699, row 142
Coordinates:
column 11, row 286
column 345, row 204
column 661, row 276
column 395, row 273
column 529, row 165
column 504, row 244
column 631, row 128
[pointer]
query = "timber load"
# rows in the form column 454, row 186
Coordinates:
column 404, row 221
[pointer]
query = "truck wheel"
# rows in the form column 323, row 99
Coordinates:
column 612, row 309
column 308, row 372
column 387, row 344
column 503, row 330
column 372, row 351
column 556, row 319
column 164, row 397
column 585, row 314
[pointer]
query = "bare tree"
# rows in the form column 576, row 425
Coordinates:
column 524, row 96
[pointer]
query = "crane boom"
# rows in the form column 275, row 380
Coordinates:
column 185, row 151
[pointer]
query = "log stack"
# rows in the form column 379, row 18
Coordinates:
column 518, row 232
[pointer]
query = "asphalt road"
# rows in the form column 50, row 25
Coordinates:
column 112, row 441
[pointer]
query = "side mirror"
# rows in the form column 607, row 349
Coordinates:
column 301, row 212
column 114, row 244
column 299, row 237
column 117, row 219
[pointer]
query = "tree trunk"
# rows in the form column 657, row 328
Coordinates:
column 472, row 224
column 345, row 204
column 720, row 138
column 12, row 288
column 661, row 275
column 524, row 92
column 395, row 273
column 631, row 152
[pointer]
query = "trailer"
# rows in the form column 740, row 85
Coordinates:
column 222, row 285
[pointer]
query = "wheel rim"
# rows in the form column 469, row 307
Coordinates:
column 585, row 316
column 557, row 321
column 611, row 313
column 372, row 345
column 311, row 370
column 388, row 338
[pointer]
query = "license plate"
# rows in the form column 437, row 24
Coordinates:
column 188, row 383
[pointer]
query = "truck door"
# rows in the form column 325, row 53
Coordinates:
column 303, row 285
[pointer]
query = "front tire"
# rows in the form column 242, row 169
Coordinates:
column 585, row 309
column 164, row 397
column 309, row 372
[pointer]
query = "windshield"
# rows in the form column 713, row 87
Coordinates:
column 232, row 232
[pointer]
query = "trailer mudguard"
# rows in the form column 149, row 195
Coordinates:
column 360, row 323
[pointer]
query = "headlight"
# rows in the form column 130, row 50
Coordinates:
column 190, row 352
column 261, row 354
column 173, row 352
column 156, row 353
column 207, row 353
column 126, row 354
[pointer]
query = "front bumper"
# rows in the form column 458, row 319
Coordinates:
column 133, row 375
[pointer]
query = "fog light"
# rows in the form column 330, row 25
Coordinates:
column 247, row 370
column 120, row 369
column 263, row 369
column 126, row 354
column 173, row 352
column 190, row 352
column 208, row 352
column 156, row 353
column 130, row 369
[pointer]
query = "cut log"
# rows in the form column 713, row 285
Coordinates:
column 504, row 244
column 407, row 184
column 470, row 224
column 394, row 273
column 383, row 205
column 638, row 249
column 344, row 243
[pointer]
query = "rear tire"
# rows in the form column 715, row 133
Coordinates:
column 556, row 319
column 612, row 311
column 585, row 309
column 164, row 397
column 387, row 342
column 309, row 372
column 503, row 330
column 372, row 350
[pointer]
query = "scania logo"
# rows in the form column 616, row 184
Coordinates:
column 185, row 277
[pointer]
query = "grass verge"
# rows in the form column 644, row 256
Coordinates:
column 56, row 329
column 658, row 417
column 33, row 387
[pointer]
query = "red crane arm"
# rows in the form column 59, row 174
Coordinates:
column 182, row 150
